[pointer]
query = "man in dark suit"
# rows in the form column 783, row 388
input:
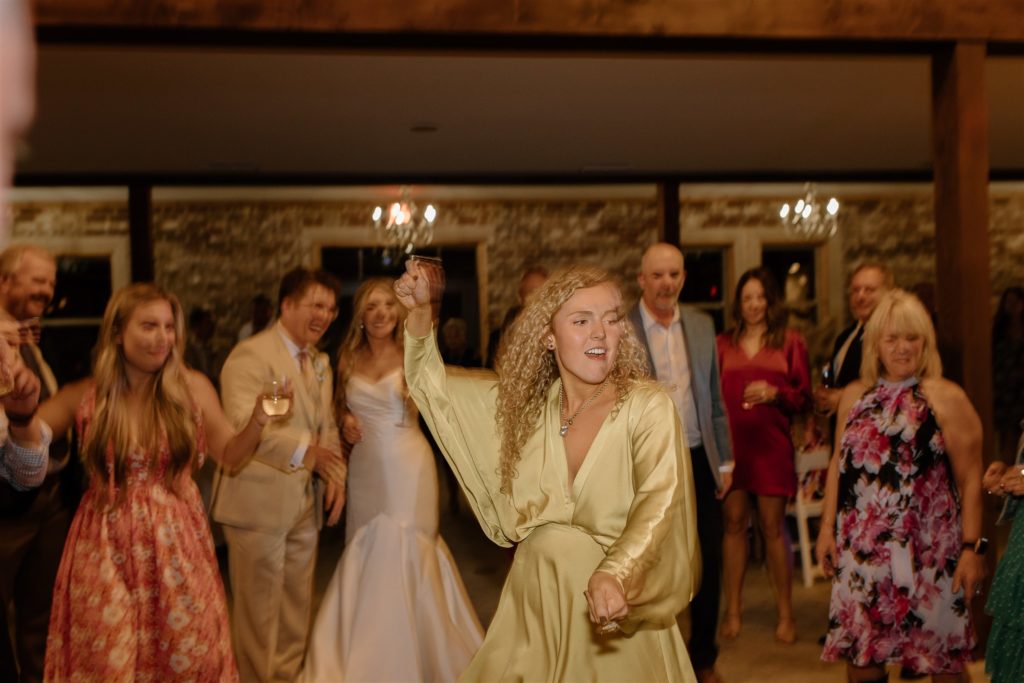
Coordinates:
column 680, row 343
column 869, row 282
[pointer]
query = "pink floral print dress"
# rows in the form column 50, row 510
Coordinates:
column 138, row 594
column 898, row 536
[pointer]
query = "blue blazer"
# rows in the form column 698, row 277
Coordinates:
column 702, row 353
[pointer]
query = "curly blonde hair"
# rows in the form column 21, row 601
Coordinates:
column 527, row 369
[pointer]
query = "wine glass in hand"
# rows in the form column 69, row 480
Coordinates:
column 277, row 397
column 430, row 268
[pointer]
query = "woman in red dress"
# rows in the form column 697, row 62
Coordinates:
column 765, row 381
column 138, row 594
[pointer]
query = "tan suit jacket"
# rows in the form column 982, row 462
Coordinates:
column 266, row 493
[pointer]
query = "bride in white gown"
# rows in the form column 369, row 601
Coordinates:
column 395, row 609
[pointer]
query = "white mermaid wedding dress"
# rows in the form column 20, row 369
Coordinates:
column 396, row 609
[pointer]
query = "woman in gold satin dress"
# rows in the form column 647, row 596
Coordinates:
column 580, row 461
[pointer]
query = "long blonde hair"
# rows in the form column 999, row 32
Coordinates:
column 902, row 312
column 527, row 369
column 355, row 339
column 168, row 409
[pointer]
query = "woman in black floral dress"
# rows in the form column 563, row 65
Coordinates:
column 902, row 522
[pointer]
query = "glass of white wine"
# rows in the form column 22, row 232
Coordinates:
column 276, row 396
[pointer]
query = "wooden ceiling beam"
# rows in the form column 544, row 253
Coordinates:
column 898, row 20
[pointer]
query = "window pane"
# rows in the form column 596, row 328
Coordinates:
column 705, row 275
column 794, row 271
column 83, row 287
column 68, row 350
column 353, row 265
column 718, row 315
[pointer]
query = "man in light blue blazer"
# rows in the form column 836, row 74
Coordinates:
column 680, row 343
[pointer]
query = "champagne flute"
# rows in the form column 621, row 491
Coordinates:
column 828, row 381
column 276, row 396
column 431, row 268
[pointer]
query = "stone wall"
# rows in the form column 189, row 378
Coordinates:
column 894, row 228
column 557, row 234
column 1006, row 231
column 220, row 253
column 897, row 230
column 69, row 219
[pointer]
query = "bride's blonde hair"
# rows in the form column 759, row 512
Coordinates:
column 527, row 369
column 355, row 339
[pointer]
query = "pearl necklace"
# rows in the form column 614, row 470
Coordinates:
column 562, row 399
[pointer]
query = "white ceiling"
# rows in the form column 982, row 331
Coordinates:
column 208, row 111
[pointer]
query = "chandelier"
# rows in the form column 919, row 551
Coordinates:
column 808, row 218
column 402, row 227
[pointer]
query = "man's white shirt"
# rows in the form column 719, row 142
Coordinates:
column 672, row 368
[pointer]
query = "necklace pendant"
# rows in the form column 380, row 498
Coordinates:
column 563, row 430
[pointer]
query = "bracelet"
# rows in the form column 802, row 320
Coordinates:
column 19, row 419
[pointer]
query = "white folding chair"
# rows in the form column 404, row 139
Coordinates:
column 803, row 506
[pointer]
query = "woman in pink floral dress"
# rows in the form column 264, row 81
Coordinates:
column 138, row 594
column 901, row 531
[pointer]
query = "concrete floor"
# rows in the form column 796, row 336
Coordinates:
column 754, row 657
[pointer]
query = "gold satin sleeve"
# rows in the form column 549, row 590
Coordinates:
column 459, row 408
column 657, row 557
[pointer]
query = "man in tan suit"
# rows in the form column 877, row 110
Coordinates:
column 270, row 507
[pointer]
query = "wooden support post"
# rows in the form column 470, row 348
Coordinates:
column 963, row 283
column 140, row 232
column 668, row 212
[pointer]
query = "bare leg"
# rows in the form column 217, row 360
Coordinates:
column 771, row 511
column 736, row 511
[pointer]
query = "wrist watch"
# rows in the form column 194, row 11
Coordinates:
column 979, row 546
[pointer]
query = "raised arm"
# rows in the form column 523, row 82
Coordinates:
column 283, row 444
column 59, row 410
column 241, row 382
column 458, row 407
column 413, row 291
column 656, row 559
column 225, row 445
